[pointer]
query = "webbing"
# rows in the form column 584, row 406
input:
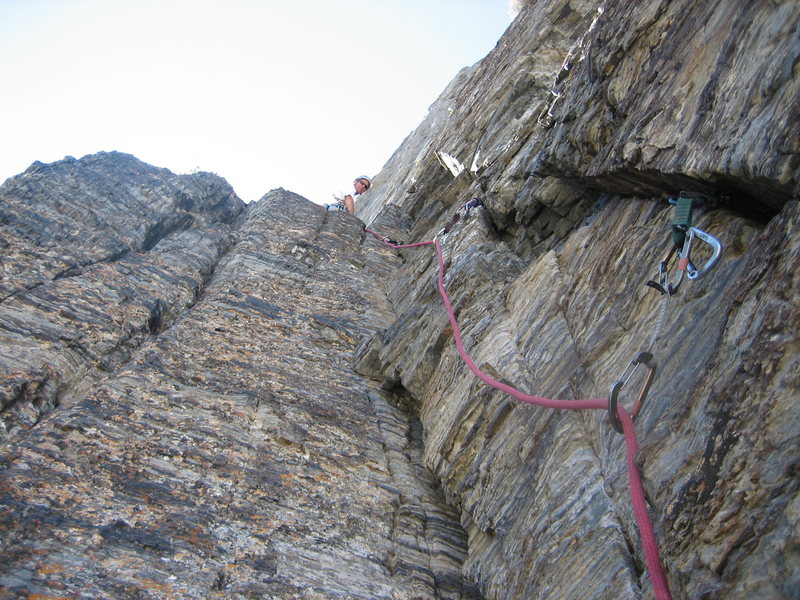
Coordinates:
column 649, row 541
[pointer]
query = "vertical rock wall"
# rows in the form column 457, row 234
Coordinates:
column 97, row 255
column 574, row 131
column 201, row 399
column 182, row 418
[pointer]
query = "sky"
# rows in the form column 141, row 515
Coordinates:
column 300, row 94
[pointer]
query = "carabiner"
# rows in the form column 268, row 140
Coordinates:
column 685, row 263
column 464, row 208
column 684, row 258
column 643, row 358
column 683, row 234
column 663, row 285
column 474, row 203
column 716, row 248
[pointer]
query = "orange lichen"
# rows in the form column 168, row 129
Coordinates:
column 50, row 569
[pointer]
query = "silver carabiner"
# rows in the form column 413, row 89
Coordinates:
column 665, row 285
column 643, row 358
column 716, row 251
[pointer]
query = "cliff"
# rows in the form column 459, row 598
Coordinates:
column 574, row 132
column 206, row 399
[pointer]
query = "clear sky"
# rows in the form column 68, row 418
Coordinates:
column 299, row 94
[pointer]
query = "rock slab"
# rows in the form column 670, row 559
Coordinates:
column 222, row 447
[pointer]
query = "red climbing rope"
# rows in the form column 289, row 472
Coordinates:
column 649, row 541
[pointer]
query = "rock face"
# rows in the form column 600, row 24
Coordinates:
column 573, row 133
column 182, row 417
column 98, row 255
column 205, row 399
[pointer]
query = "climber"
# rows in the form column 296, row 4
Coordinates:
column 346, row 202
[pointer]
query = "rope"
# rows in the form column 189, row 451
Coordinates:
column 638, row 502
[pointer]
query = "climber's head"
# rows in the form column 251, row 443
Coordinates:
column 362, row 184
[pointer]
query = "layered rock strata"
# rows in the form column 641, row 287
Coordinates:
column 203, row 399
column 183, row 420
column 573, row 133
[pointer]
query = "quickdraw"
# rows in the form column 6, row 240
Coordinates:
column 683, row 234
column 464, row 210
column 638, row 502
